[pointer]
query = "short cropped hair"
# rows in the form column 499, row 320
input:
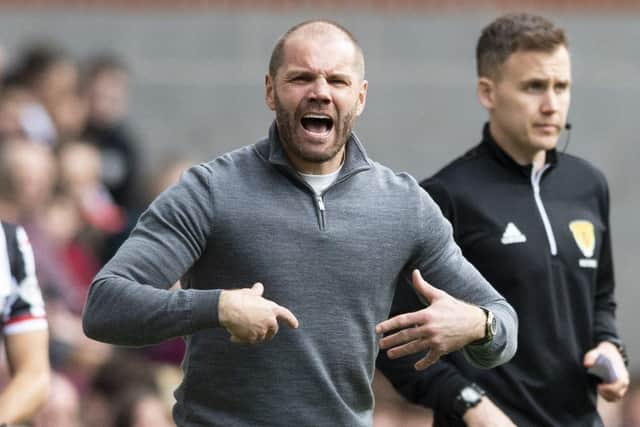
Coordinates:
column 511, row 33
column 277, row 55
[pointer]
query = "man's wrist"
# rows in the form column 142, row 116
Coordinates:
column 619, row 345
column 490, row 327
column 468, row 397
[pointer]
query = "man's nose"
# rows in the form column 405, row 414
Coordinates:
column 320, row 91
column 550, row 102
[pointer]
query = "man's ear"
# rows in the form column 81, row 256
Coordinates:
column 268, row 93
column 362, row 97
column 485, row 89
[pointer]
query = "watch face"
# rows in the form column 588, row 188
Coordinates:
column 470, row 395
column 494, row 325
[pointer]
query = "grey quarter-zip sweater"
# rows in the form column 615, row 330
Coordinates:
column 334, row 260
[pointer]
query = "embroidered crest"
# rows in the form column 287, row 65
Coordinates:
column 584, row 235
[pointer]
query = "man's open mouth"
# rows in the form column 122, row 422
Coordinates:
column 317, row 123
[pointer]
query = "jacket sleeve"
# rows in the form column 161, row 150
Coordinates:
column 605, row 305
column 129, row 301
column 442, row 264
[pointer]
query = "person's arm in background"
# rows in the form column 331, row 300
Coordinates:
column 24, row 326
column 129, row 302
column 440, row 384
column 393, row 410
column 28, row 358
column 605, row 335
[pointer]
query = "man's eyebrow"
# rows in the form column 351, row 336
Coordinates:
column 340, row 75
column 292, row 73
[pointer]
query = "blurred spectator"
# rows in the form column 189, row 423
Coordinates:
column 15, row 101
column 631, row 403
column 52, row 76
column 24, row 328
column 140, row 407
column 124, row 376
column 106, row 87
column 610, row 412
column 63, row 406
column 27, row 178
column 80, row 175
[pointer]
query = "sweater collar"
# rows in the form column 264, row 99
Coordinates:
column 551, row 157
column 356, row 158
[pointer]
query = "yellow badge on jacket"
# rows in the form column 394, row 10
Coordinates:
column 585, row 237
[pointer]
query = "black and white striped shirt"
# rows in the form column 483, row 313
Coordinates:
column 20, row 297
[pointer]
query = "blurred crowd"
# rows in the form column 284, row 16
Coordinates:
column 70, row 173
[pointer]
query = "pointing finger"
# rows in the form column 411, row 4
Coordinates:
column 284, row 314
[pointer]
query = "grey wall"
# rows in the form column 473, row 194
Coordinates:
column 198, row 89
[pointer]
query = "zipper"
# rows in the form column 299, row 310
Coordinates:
column 321, row 211
column 535, row 183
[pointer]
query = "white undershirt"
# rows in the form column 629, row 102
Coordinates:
column 319, row 183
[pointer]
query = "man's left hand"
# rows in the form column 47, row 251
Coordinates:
column 446, row 325
column 610, row 391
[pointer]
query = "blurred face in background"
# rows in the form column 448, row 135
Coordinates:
column 528, row 101
column 33, row 171
column 317, row 93
column 58, row 81
column 12, row 104
column 107, row 95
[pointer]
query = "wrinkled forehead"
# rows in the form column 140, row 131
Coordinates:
column 323, row 47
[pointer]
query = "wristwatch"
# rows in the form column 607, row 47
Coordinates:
column 490, row 328
column 468, row 397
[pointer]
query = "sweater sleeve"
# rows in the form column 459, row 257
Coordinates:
column 129, row 301
column 441, row 263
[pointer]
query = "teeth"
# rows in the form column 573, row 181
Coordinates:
column 316, row 116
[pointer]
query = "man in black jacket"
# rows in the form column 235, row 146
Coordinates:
column 535, row 222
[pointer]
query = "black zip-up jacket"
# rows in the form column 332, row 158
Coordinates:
column 550, row 256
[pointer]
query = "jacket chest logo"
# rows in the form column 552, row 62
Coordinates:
column 585, row 237
column 512, row 235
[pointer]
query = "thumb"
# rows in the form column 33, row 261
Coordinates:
column 423, row 287
column 590, row 358
column 257, row 289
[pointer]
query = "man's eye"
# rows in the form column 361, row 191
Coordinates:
column 299, row 79
column 536, row 87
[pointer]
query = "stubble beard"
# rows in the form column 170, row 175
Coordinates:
column 287, row 123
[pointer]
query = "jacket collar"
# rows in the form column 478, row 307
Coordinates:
column 551, row 157
column 356, row 159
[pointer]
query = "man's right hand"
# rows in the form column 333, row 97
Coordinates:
column 250, row 318
column 486, row 414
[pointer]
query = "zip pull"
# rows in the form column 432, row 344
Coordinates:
column 320, row 203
